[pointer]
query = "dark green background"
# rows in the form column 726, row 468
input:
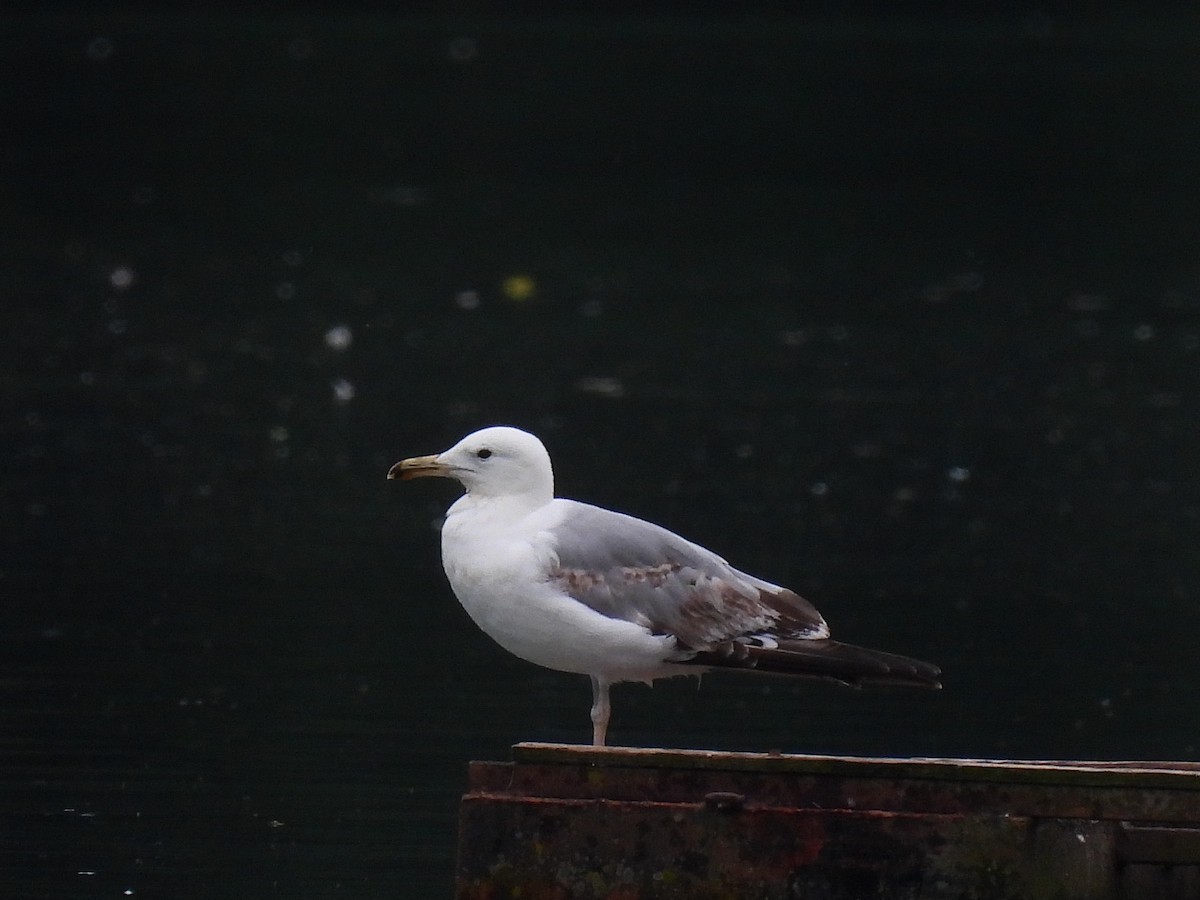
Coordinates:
column 901, row 312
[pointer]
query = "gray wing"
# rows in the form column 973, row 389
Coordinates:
column 629, row 569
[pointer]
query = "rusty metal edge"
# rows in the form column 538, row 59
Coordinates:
column 1177, row 775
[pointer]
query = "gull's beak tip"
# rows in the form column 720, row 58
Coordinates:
column 417, row 467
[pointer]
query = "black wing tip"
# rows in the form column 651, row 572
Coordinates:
column 882, row 668
column 824, row 658
column 925, row 680
column 916, row 672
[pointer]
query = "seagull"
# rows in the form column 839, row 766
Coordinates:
column 577, row 588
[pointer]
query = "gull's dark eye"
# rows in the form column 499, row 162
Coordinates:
column 484, row 453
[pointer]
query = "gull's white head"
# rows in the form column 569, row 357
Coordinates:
column 494, row 462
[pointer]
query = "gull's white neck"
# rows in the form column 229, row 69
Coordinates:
column 496, row 511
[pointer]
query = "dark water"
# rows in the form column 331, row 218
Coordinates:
column 905, row 315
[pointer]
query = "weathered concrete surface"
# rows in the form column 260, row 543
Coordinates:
column 565, row 822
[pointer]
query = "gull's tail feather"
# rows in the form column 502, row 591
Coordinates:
column 823, row 658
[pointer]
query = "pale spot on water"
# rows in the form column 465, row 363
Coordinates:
column 468, row 300
column 122, row 278
column 610, row 387
column 339, row 337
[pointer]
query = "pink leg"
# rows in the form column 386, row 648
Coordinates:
column 601, row 709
